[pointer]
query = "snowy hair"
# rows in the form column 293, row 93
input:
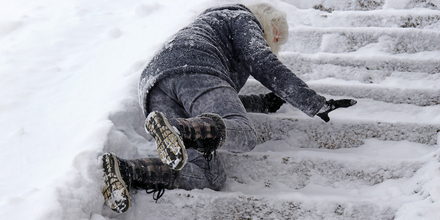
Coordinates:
column 270, row 18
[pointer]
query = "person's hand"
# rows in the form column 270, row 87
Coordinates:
column 331, row 105
column 272, row 102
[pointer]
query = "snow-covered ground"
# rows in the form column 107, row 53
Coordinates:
column 68, row 92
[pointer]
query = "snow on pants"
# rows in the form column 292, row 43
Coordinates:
column 189, row 95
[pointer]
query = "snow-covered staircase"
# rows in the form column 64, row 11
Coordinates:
column 376, row 160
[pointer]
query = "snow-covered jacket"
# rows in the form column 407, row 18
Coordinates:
column 228, row 42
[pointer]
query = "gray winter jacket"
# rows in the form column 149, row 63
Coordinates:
column 228, row 42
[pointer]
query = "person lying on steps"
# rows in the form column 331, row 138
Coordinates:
column 189, row 95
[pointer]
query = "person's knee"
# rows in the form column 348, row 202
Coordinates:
column 240, row 138
column 217, row 174
column 218, row 183
column 252, row 140
column 249, row 136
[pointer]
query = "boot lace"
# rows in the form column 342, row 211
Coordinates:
column 157, row 191
column 208, row 157
column 144, row 178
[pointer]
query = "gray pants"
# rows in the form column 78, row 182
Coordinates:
column 189, row 95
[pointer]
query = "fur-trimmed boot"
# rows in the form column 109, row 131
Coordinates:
column 122, row 176
column 206, row 133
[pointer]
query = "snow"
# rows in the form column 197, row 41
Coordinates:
column 69, row 73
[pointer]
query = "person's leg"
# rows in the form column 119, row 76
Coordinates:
column 200, row 93
column 121, row 176
column 151, row 174
column 197, row 173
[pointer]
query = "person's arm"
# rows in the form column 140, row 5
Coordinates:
column 264, row 66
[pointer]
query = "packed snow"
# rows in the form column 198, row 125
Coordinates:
column 69, row 74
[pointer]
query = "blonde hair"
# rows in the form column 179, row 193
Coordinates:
column 270, row 18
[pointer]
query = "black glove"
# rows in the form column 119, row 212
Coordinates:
column 273, row 102
column 331, row 105
column 263, row 103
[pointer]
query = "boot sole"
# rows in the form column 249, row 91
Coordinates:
column 115, row 192
column 169, row 144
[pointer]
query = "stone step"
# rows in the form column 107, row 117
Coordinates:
column 422, row 19
column 363, row 5
column 325, row 65
column 206, row 204
column 343, row 131
column 306, row 39
column 398, row 95
column 291, row 167
column 362, row 63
